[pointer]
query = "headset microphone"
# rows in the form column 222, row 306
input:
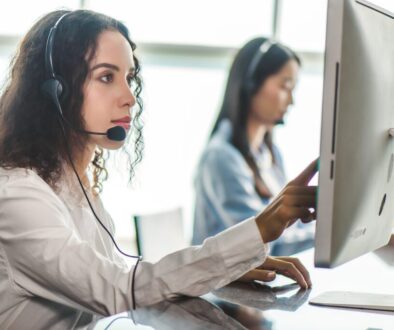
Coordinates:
column 116, row 133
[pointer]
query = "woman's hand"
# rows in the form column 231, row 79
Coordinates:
column 287, row 266
column 293, row 203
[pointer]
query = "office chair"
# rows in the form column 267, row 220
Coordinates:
column 159, row 234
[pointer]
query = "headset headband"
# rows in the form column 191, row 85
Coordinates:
column 261, row 51
column 49, row 49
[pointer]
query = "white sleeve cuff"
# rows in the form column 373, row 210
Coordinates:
column 242, row 248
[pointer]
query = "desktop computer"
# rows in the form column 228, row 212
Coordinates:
column 355, row 211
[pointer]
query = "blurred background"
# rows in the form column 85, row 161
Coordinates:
column 186, row 48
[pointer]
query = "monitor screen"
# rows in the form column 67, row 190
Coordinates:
column 355, row 209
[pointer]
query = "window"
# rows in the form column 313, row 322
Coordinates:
column 197, row 22
column 302, row 24
column 17, row 16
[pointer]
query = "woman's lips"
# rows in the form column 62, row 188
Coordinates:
column 123, row 124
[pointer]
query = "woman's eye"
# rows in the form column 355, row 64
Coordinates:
column 107, row 78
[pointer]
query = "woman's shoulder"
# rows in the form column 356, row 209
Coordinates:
column 10, row 175
column 22, row 178
column 218, row 149
column 22, row 189
column 221, row 157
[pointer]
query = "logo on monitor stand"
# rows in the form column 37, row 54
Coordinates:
column 359, row 232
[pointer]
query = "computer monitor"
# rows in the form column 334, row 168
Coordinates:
column 355, row 212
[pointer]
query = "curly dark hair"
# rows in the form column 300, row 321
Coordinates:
column 30, row 132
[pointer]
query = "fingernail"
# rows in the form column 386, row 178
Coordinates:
column 271, row 274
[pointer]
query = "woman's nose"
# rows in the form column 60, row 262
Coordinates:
column 128, row 98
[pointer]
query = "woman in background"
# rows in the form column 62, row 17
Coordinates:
column 241, row 169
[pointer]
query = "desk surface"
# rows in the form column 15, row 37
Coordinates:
column 278, row 306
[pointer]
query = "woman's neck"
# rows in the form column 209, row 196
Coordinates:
column 255, row 132
column 81, row 163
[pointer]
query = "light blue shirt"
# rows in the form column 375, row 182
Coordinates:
column 226, row 195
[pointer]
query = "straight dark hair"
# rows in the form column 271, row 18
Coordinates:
column 30, row 132
column 243, row 83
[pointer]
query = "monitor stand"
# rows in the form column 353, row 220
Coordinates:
column 359, row 300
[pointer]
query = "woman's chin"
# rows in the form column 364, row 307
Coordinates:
column 111, row 145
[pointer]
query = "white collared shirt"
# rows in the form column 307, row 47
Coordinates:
column 59, row 269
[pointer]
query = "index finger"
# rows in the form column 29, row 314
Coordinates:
column 289, row 269
column 300, row 267
column 306, row 175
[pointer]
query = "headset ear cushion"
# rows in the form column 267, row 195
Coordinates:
column 52, row 89
column 55, row 90
column 248, row 88
column 62, row 88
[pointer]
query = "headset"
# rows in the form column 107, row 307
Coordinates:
column 257, row 57
column 249, row 85
column 55, row 88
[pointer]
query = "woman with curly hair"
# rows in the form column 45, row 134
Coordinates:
column 74, row 91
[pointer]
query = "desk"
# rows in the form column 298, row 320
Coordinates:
column 278, row 306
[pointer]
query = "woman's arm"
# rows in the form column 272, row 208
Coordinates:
column 47, row 259
column 199, row 269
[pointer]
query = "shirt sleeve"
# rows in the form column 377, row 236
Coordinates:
column 196, row 270
column 47, row 259
column 229, row 185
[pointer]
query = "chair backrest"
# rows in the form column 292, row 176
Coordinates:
column 159, row 234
